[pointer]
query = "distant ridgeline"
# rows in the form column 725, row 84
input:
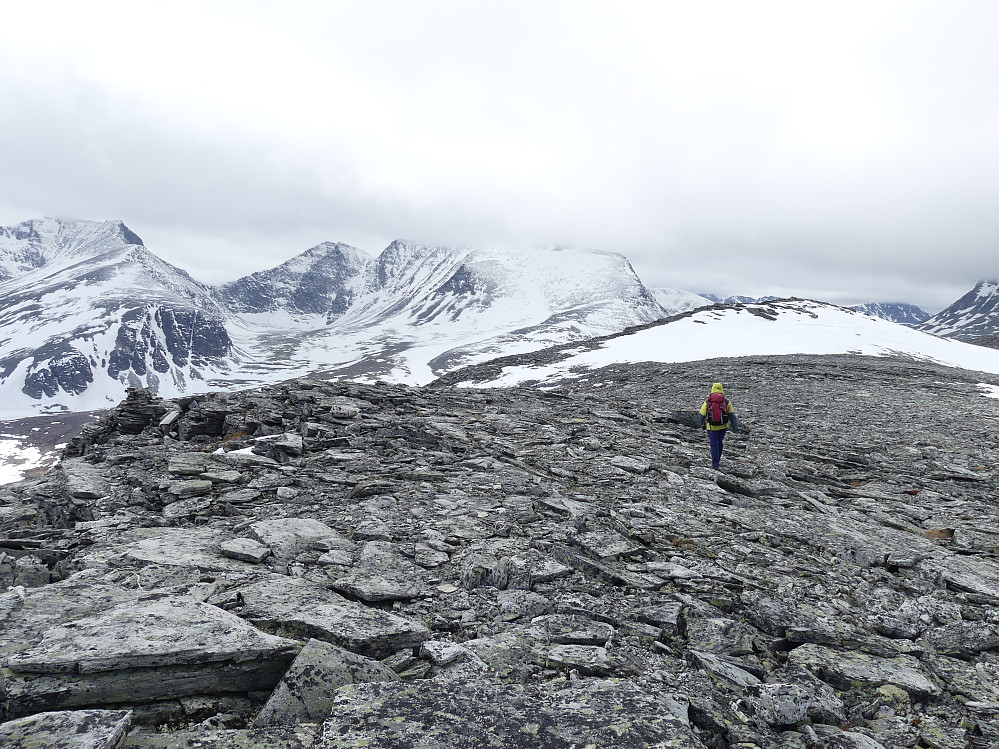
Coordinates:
column 87, row 310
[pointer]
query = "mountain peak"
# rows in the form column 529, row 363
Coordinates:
column 900, row 312
column 974, row 315
column 323, row 280
column 38, row 242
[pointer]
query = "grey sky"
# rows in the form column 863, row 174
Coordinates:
column 847, row 151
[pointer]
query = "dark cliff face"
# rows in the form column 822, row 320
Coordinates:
column 71, row 372
column 77, row 286
column 324, row 280
column 167, row 337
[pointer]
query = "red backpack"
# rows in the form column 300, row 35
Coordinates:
column 717, row 410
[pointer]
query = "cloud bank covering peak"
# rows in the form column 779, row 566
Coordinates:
column 839, row 151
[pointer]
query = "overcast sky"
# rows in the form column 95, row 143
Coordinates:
column 847, row 151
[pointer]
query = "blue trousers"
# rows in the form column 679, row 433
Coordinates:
column 715, row 439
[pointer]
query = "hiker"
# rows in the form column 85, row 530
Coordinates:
column 717, row 415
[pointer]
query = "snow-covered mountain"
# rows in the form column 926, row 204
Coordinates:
column 776, row 328
column 86, row 310
column 973, row 316
column 737, row 299
column 420, row 310
column 675, row 301
column 323, row 280
column 900, row 312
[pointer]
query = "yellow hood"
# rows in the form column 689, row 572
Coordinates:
column 717, row 388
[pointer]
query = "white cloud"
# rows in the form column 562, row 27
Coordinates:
column 786, row 141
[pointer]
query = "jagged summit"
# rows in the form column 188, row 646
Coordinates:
column 88, row 310
column 323, row 280
column 974, row 315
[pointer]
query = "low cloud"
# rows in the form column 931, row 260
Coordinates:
column 845, row 152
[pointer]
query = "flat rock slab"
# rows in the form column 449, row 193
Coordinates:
column 568, row 629
column 305, row 610
column 586, row 659
column 25, row 618
column 188, row 464
column 273, row 737
column 845, row 669
column 632, row 465
column 382, row 574
column 246, row 550
column 71, row 729
column 190, row 488
column 163, row 648
column 289, row 536
column 197, row 548
column 608, row 545
column 83, row 480
column 431, row 714
column 305, row 693
column 166, row 631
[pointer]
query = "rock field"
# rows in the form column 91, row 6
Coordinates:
column 323, row 565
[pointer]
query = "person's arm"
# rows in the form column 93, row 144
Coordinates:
column 733, row 420
column 702, row 414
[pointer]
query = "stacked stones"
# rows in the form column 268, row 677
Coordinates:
column 339, row 565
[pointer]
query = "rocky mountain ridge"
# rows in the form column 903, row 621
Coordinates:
column 900, row 312
column 975, row 315
column 86, row 310
column 331, row 565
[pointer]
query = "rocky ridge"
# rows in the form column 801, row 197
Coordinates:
column 971, row 318
column 325, row 565
column 900, row 312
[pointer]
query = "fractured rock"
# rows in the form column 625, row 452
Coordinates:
column 71, row 729
column 142, row 650
column 297, row 608
column 604, row 714
column 305, row 692
column 844, row 669
column 287, row 537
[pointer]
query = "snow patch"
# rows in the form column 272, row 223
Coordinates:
column 989, row 391
column 799, row 328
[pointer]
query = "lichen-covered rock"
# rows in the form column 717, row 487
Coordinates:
column 846, row 669
column 139, row 650
column 440, row 715
column 494, row 541
column 302, row 736
column 69, row 729
column 305, row 692
column 297, row 608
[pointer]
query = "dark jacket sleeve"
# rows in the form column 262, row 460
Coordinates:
column 733, row 420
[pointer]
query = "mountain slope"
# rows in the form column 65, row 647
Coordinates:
column 423, row 309
column 974, row 315
column 674, row 301
column 904, row 314
column 323, row 280
column 775, row 328
column 88, row 310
